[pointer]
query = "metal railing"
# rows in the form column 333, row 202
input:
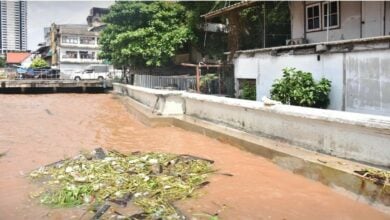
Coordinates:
column 166, row 82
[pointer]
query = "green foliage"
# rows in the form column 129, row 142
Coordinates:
column 206, row 82
column 299, row 88
column 39, row 63
column 2, row 62
column 211, row 44
column 248, row 91
column 153, row 181
column 277, row 25
column 144, row 33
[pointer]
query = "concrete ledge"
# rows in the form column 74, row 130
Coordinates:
column 353, row 136
column 162, row 102
column 38, row 83
column 347, row 135
column 331, row 171
column 363, row 120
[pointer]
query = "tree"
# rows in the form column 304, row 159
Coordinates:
column 39, row 63
column 2, row 62
column 210, row 43
column 143, row 33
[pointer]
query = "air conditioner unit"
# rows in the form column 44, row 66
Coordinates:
column 296, row 41
column 215, row 27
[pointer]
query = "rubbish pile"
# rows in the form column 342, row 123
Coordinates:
column 380, row 177
column 100, row 179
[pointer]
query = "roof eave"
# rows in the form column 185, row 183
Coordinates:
column 228, row 9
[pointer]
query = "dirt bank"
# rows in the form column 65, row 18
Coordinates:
column 40, row 129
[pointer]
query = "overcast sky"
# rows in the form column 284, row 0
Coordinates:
column 41, row 14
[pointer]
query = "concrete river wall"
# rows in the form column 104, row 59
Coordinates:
column 360, row 137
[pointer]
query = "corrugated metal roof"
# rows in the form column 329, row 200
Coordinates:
column 77, row 29
column 330, row 43
column 224, row 10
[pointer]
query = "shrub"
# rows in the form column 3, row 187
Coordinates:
column 299, row 88
column 39, row 63
column 248, row 91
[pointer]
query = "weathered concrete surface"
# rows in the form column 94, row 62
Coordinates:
column 162, row 102
column 54, row 85
column 353, row 136
column 334, row 172
column 368, row 82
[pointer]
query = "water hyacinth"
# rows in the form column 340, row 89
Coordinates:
column 152, row 181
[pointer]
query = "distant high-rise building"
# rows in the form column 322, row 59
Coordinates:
column 13, row 26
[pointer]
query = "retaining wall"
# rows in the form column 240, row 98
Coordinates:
column 359, row 137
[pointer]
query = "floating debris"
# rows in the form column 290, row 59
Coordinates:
column 380, row 177
column 151, row 181
column 3, row 154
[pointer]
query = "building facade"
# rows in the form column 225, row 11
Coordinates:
column 13, row 26
column 353, row 52
column 73, row 47
column 347, row 20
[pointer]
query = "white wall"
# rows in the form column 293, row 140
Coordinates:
column 372, row 17
column 368, row 82
column 297, row 10
column 266, row 69
column 27, row 62
column 360, row 80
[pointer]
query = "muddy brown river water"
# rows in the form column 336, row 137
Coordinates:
column 39, row 129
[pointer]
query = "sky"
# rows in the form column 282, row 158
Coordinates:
column 42, row 14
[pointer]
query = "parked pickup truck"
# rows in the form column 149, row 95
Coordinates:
column 96, row 71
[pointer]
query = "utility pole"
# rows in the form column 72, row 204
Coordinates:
column 264, row 24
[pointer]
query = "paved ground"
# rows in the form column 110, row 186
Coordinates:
column 40, row 129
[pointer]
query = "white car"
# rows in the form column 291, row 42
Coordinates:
column 98, row 72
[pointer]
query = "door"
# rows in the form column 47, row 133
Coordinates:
column 372, row 18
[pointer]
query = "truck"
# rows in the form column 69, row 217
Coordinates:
column 94, row 71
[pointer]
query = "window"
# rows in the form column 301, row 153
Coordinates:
column 87, row 40
column 86, row 55
column 313, row 17
column 332, row 13
column 70, row 54
column 317, row 17
column 69, row 40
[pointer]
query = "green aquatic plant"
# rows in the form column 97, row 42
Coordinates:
column 153, row 181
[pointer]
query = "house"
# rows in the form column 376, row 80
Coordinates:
column 23, row 59
column 346, row 42
column 73, row 46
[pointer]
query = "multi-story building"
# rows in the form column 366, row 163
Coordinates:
column 13, row 26
column 73, row 47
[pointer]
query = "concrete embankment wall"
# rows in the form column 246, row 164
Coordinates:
column 360, row 137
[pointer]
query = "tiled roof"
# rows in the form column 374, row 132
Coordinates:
column 17, row 57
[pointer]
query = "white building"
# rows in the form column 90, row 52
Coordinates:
column 352, row 51
column 73, row 47
column 13, row 26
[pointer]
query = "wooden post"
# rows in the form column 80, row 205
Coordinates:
column 198, row 71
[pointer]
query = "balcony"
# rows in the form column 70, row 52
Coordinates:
column 65, row 59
